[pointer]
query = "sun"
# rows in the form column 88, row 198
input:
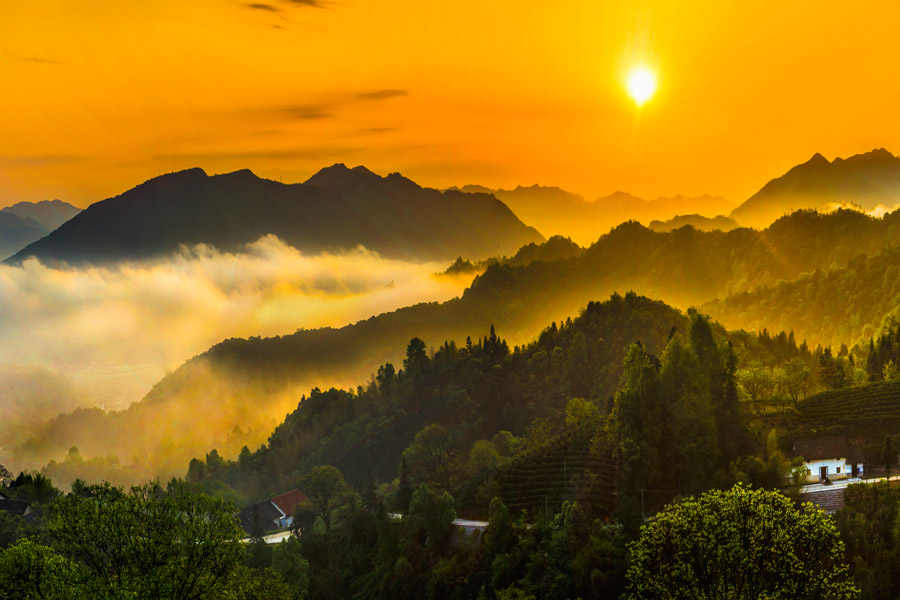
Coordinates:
column 641, row 85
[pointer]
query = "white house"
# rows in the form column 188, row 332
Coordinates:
column 829, row 459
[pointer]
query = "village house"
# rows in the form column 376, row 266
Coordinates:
column 14, row 507
column 275, row 513
column 829, row 459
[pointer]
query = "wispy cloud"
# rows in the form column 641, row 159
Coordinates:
column 327, row 109
column 311, row 112
column 40, row 60
column 309, row 3
column 382, row 94
column 261, row 6
column 376, row 130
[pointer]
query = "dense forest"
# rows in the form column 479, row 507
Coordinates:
column 563, row 446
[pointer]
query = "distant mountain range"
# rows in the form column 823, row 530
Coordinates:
column 340, row 208
column 336, row 209
column 49, row 213
column 866, row 180
column 17, row 232
column 554, row 211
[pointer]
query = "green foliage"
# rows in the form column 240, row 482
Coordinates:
column 288, row 562
column 868, row 526
column 149, row 542
column 13, row 528
column 146, row 543
column 431, row 457
column 579, row 412
column 327, row 492
column 433, row 512
column 31, row 571
column 740, row 543
column 257, row 584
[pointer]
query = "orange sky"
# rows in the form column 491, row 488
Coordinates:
column 99, row 95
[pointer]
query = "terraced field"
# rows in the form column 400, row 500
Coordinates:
column 867, row 411
column 565, row 470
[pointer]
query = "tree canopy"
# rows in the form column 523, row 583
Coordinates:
column 739, row 543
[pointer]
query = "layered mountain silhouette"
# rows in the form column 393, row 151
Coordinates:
column 867, row 181
column 49, row 213
column 336, row 209
column 17, row 232
column 722, row 223
column 554, row 211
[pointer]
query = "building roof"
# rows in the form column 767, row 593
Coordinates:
column 825, row 448
column 15, row 507
column 259, row 517
column 288, row 500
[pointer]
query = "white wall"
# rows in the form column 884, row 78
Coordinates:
column 833, row 465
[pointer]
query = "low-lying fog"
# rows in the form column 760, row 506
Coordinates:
column 102, row 336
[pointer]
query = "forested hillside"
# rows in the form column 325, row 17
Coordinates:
column 832, row 306
column 560, row 449
column 250, row 383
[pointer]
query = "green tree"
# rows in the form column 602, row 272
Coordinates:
column 416, row 360
column 149, row 543
column 891, row 372
column 635, row 424
column 740, row 543
column 327, row 491
column 795, row 379
column 433, row 512
column 431, row 456
column 690, row 437
column 580, row 412
column 758, row 382
column 288, row 562
column 483, row 455
column 31, row 571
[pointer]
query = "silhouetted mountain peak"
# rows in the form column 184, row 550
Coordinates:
column 339, row 175
column 337, row 208
column 192, row 173
column 865, row 180
column 619, row 196
column 874, row 158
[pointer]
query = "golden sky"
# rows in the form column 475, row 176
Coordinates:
column 99, row 95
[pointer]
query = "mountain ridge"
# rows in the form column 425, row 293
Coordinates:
column 866, row 180
column 336, row 209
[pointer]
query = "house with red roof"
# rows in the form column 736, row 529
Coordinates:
column 275, row 513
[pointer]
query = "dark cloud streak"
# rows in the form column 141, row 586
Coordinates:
column 41, row 61
column 261, row 6
column 310, row 112
column 382, row 94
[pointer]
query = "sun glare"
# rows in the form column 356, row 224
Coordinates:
column 641, row 85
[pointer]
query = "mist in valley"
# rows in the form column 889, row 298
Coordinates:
column 101, row 337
